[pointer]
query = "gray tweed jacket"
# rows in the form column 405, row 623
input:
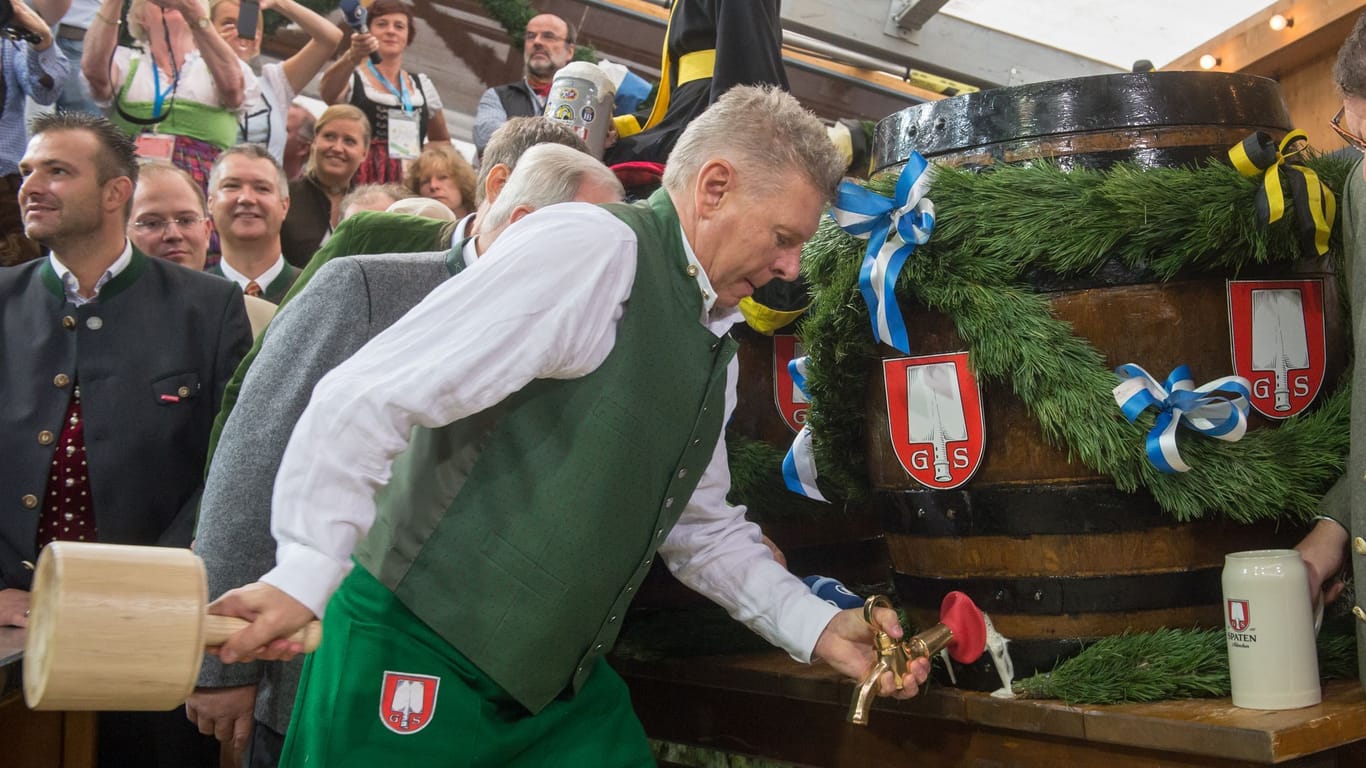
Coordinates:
column 348, row 302
column 1346, row 501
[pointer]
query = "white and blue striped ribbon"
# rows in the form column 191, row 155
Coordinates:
column 799, row 465
column 893, row 228
column 1179, row 402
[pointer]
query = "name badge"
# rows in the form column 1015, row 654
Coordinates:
column 405, row 142
column 155, row 146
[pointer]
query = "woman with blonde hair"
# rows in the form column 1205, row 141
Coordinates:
column 404, row 108
column 341, row 138
column 440, row 173
column 179, row 93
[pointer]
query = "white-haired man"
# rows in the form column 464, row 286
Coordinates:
column 519, row 447
column 348, row 302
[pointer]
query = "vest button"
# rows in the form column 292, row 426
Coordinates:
column 45, row 437
column 598, row 647
column 612, row 619
column 696, row 441
column 29, row 501
column 183, row 391
column 629, row 588
column 659, row 534
column 94, row 323
column 716, row 346
column 60, row 380
column 682, row 473
column 691, row 270
column 647, row 562
column 1359, row 544
column 669, row 502
column 68, row 322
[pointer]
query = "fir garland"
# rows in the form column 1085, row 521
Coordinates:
column 1165, row 664
column 990, row 229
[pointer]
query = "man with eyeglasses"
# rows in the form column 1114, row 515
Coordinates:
column 170, row 221
column 113, row 366
column 1341, row 524
column 547, row 45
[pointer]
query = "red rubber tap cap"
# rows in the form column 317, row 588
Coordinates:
column 964, row 619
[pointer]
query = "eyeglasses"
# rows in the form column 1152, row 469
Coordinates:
column 1347, row 136
column 549, row 37
column 157, row 226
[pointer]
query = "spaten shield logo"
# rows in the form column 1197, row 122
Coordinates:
column 792, row 404
column 1278, row 342
column 934, row 411
column 407, row 702
column 1239, row 616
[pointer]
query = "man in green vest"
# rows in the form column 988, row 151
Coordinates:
column 505, row 461
column 1342, row 524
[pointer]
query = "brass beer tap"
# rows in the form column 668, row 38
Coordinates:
column 895, row 657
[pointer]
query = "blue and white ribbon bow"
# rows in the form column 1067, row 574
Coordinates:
column 1179, row 401
column 799, row 465
column 893, row 228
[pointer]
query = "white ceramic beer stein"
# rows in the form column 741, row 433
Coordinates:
column 1269, row 627
column 581, row 97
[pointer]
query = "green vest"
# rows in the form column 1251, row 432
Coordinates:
column 522, row 533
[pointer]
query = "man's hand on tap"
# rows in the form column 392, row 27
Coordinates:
column 846, row 644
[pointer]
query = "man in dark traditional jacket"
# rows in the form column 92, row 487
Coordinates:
column 112, row 364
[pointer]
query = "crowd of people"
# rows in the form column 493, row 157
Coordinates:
column 201, row 273
column 376, row 386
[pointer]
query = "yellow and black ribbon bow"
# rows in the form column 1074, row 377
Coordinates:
column 1315, row 206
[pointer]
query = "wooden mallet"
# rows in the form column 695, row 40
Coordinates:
column 115, row 627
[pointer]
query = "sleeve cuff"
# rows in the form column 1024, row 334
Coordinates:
column 307, row 575
column 809, row 618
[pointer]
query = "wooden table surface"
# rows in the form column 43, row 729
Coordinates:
column 768, row 705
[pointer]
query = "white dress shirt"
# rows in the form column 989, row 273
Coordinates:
column 543, row 302
column 72, row 286
column 262, row 280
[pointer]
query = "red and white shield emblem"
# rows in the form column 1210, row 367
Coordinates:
column 1239, row 616
column 1278, row 342
column 792, row 404
column 407, row 702
column 934, row 410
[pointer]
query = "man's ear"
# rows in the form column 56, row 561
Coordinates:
column 495, row 181
column 117, row 192
column 519, row 212
column 715, row 181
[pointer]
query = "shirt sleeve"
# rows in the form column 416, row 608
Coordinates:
column 716, row 552
column 543, row 302
column 487, row 117
column 430, row 95
column 42, row 73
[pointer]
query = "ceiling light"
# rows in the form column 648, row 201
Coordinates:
column 1209, row 61
column 1279, row 22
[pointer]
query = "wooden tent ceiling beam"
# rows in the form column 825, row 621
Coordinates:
column 1254, row 48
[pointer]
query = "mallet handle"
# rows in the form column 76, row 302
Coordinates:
column 219, row 628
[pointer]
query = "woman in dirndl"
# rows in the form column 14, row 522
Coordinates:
column 404, row 109
column 179, row 93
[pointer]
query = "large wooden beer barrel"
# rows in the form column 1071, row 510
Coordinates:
column 1051, row 550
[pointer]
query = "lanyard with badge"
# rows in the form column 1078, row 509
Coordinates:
column 405, row 142
column 156, row 146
